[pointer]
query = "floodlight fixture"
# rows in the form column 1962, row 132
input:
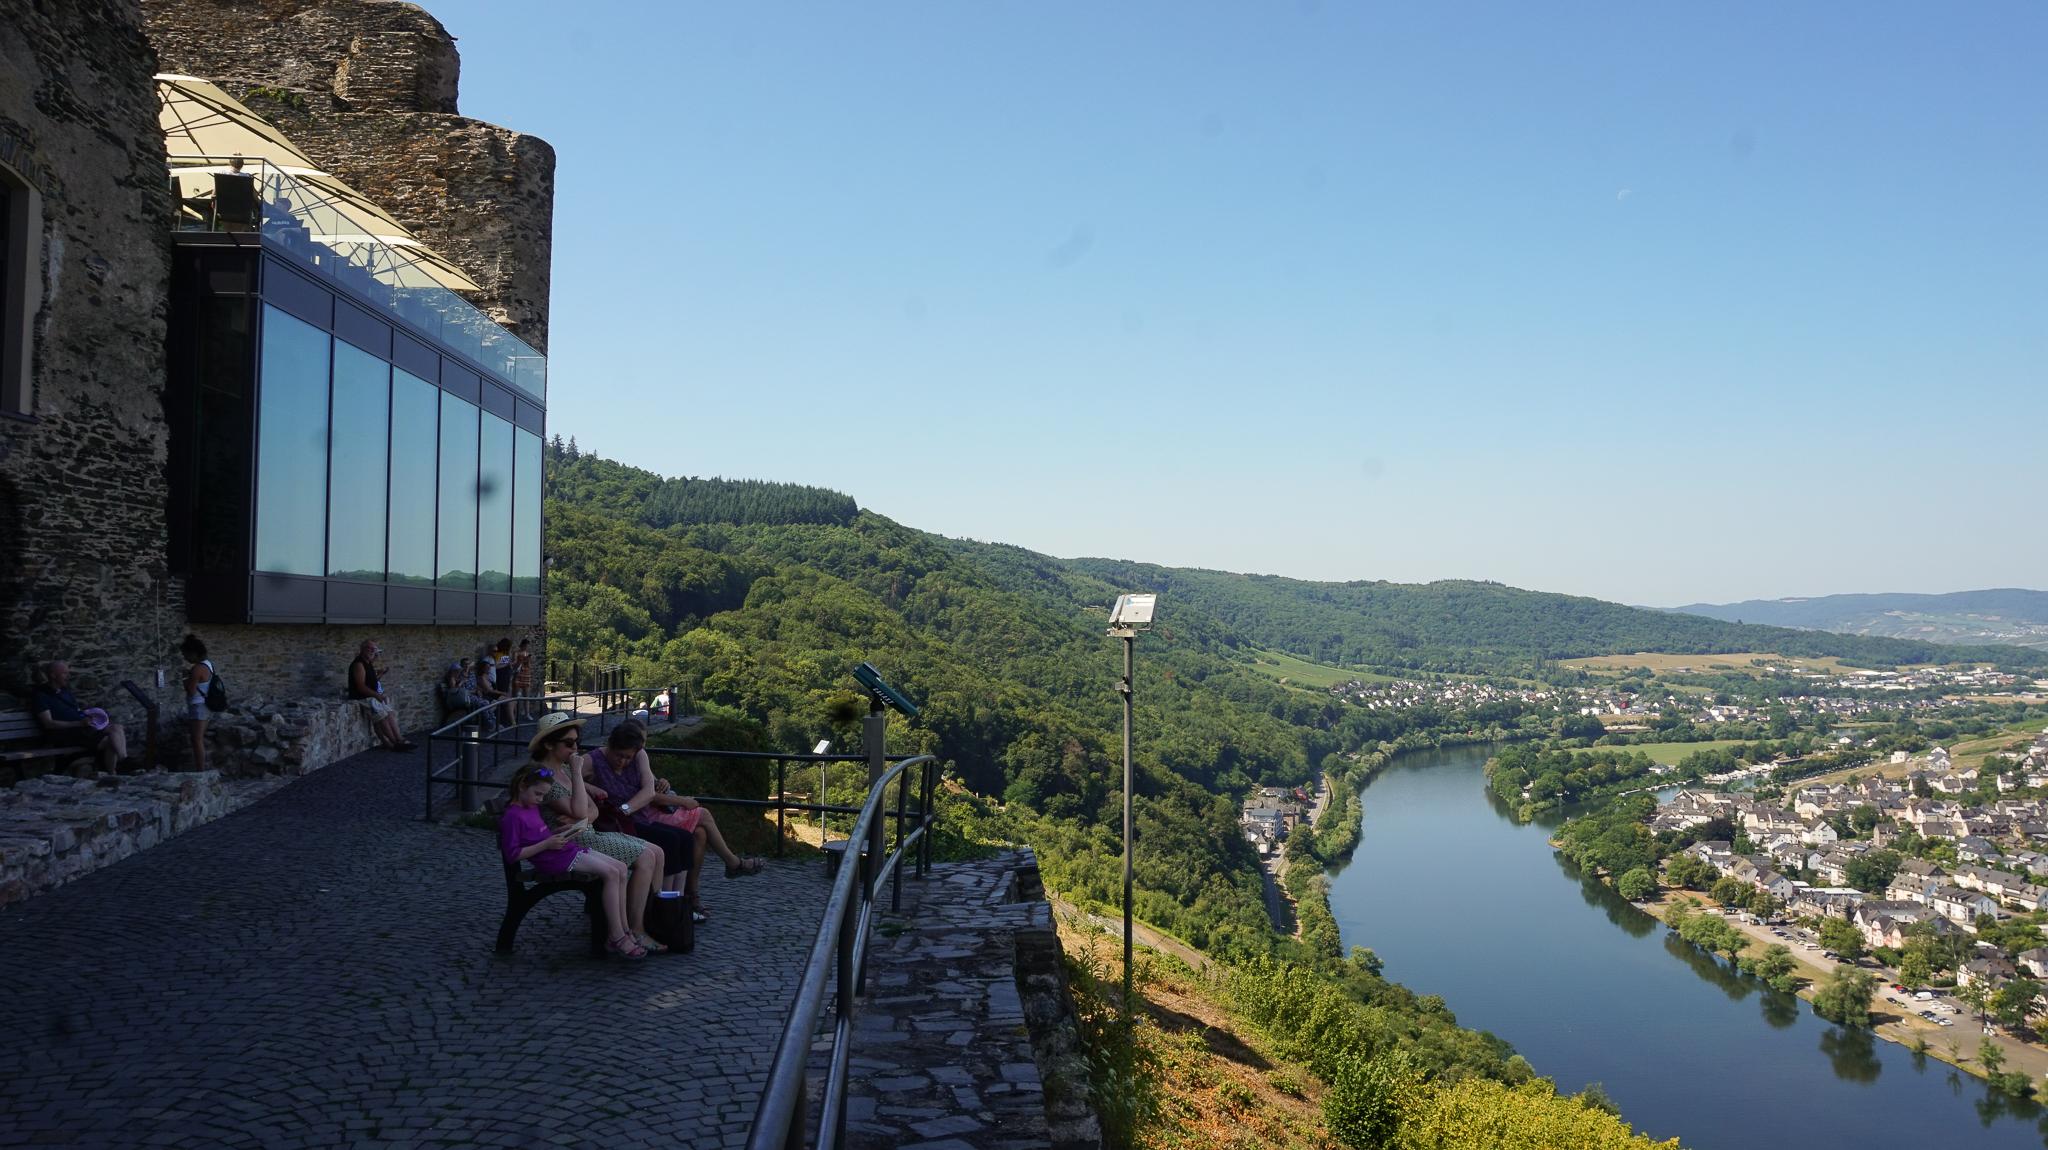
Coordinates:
column 1132, row 611
column 882, row 693
column 823, row 746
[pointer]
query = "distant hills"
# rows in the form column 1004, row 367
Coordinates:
column 2000, row 615
column 1461, row 625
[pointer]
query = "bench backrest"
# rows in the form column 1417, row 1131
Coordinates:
column 16, row 726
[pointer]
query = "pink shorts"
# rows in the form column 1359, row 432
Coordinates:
column 677, row 817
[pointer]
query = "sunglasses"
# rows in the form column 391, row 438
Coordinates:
column 544, row 773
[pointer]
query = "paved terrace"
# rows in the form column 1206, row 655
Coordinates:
column 316, row 970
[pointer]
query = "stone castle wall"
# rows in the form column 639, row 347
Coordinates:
column 367, row 88
column 82, row 484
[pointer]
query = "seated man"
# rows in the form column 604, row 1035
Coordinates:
column 364, row 687
column 60, row 713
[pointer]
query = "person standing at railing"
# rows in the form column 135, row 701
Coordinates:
column 572, row 807
column 677, row 822
column 522, row 679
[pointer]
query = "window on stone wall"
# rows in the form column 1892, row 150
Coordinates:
column 362, row 426
column 21, row 257
column 415, row 443
column 494, row 507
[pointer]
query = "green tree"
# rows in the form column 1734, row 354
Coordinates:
column 1777, row 967
column 2015, row 1001
column 1730, row 891
column 1842, row 937
column 1845, row 997
column 1990, row 1056
column 1636, row 885
column 1913, row 966
column 1872, row 871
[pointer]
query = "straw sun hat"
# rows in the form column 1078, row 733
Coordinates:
column 548, row 725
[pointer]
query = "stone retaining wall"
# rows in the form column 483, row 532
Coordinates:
column 56, row 828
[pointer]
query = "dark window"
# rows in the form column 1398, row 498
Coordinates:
column 362, row 423
column 456, row 558
column 291, row 447
column 21, row 240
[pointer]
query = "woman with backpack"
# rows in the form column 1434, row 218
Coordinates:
column 201, row 689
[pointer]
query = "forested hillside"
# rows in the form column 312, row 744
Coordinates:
column 1457, row 625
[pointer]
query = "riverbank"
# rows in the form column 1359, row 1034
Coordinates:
column 1891, row 1019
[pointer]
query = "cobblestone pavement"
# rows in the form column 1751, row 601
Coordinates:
column 947, row 1048
column 316, row 970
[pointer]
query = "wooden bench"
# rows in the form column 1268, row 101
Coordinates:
column 524, row 888
column 24, row 745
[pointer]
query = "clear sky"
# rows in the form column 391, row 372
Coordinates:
column 1653, row 302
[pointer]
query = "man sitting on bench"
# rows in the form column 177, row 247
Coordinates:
column 65, row 720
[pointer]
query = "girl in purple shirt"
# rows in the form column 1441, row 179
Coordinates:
column 523, row 836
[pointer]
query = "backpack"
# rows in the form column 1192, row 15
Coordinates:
column 216, row 693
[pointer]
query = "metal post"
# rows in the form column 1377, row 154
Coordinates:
column 874, row 732
column 472, row 755
column 675, row 705
column 1124, row 689
column 781, row 803
column 896, row 876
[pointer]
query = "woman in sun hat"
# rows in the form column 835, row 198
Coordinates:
column 571, row 808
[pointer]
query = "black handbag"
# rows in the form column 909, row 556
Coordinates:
column 669, row 922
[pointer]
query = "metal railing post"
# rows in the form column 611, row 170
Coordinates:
column 896, row 876
column 781, row 804
column 472, row 756
column 874, row 733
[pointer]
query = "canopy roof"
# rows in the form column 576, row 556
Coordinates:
column 204, row 128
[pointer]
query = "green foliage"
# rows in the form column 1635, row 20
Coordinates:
column 1480, row 1115
column 1367, row 1097
column 1842, row 937
column 1539, row 778
column 1636, row 885
column 1845, row 996
column 1872, row 870
column 2015, row 1001
column 1776, row 967
column 1612, row 839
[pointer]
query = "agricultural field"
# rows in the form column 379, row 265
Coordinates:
column 1738, row 662
column 1302, row 673
column 1670, row 753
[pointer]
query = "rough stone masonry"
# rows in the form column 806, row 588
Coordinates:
column 367, row 87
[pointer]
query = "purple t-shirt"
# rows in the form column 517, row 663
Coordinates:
column 521, row 827
column 620, row 782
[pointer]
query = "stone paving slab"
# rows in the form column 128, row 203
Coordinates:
column 316, row 970
column 947, row 1054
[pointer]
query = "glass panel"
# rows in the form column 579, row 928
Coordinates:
column 415, row 440
column 494, row 507
column 526, row 515
column 362, row 423
column 220, row 527
column 291, row 447
column 457, row 558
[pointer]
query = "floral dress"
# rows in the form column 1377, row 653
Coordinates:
column 625, row 848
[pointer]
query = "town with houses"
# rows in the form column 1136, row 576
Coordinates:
column 2000, row 846
column 1853, row 695
column 1270, row 814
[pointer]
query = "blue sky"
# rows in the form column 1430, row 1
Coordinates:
column 1651, row 302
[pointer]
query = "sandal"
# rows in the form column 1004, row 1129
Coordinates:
column 650, row 946
column 747, row 866
column 625, row 947
column 698, row 916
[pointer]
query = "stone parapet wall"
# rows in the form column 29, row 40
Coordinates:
column 82, row 484
column 56, row 828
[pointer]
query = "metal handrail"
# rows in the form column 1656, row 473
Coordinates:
column 840, row 948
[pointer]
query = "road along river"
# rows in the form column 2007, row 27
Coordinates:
column 1461, row 902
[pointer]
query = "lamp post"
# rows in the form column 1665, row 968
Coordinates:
column 1131, row 614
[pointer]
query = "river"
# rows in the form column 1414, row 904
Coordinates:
column 1459, row 901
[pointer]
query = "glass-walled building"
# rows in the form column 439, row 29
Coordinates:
column 352, row 440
